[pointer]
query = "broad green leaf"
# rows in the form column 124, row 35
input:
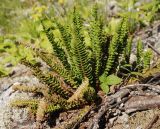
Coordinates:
column 113, row 80
column 105, row 87
column 102, row 78
column 110, row 80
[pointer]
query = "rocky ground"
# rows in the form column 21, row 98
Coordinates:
column 15, row 118
column 12, row 118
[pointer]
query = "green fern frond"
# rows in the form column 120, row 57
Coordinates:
column 55, row 64
column 117, row 45
column 79, row 48
column 54, row 98
column 63, row 105
column 90, row 94
column 60, row 70
column 58, row 50
column 66, row 39
column 96, row 39
column 45, row 107
column 139, row 54
column 24, row 103
column 74, row 104
column 128, row 50
column 112, row 53
column 105, row 51
column 123, row 36
column 53, row 108
column 53, row 83
column 147, row 55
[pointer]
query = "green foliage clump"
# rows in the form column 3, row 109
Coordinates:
column 76, row 71
column 135, row 66
column 141, row 13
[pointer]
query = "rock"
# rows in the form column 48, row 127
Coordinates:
column 124, row 117
column 11, row 117
column 149, row 35
column 111, row 121
column 112, row 8
column 9, row 65
column 133, row 58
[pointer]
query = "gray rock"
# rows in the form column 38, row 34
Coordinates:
column 112, row 7
column 11, row 117
column 149, row 36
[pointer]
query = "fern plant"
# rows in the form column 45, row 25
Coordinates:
column 73, row 78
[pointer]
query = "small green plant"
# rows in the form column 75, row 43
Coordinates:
column 76, row 71
column 142, row 62
column 11, row 53
column 140, row 13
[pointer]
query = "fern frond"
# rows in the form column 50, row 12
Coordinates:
column 79, row 48
column 112, row 53
column 82, row 95
column 128, row 50
column 24, row 103
column 60, row 70
column 63, row 105
column 96, row 39
column 66, row 39
column 90, row 94
column 53, row 108
column 45, row 107
column 54, row 98
column 117, row 45
column 105, row 51
column 58, row 50
column 55, row 64
column 79, row 93
column 147, row 55
column 139, row 54
column 33, row 89
column 123, row 36
column 42, row 106
column 53, row 83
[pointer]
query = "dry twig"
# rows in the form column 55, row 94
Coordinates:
column 110, row 103
column 154, row 120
